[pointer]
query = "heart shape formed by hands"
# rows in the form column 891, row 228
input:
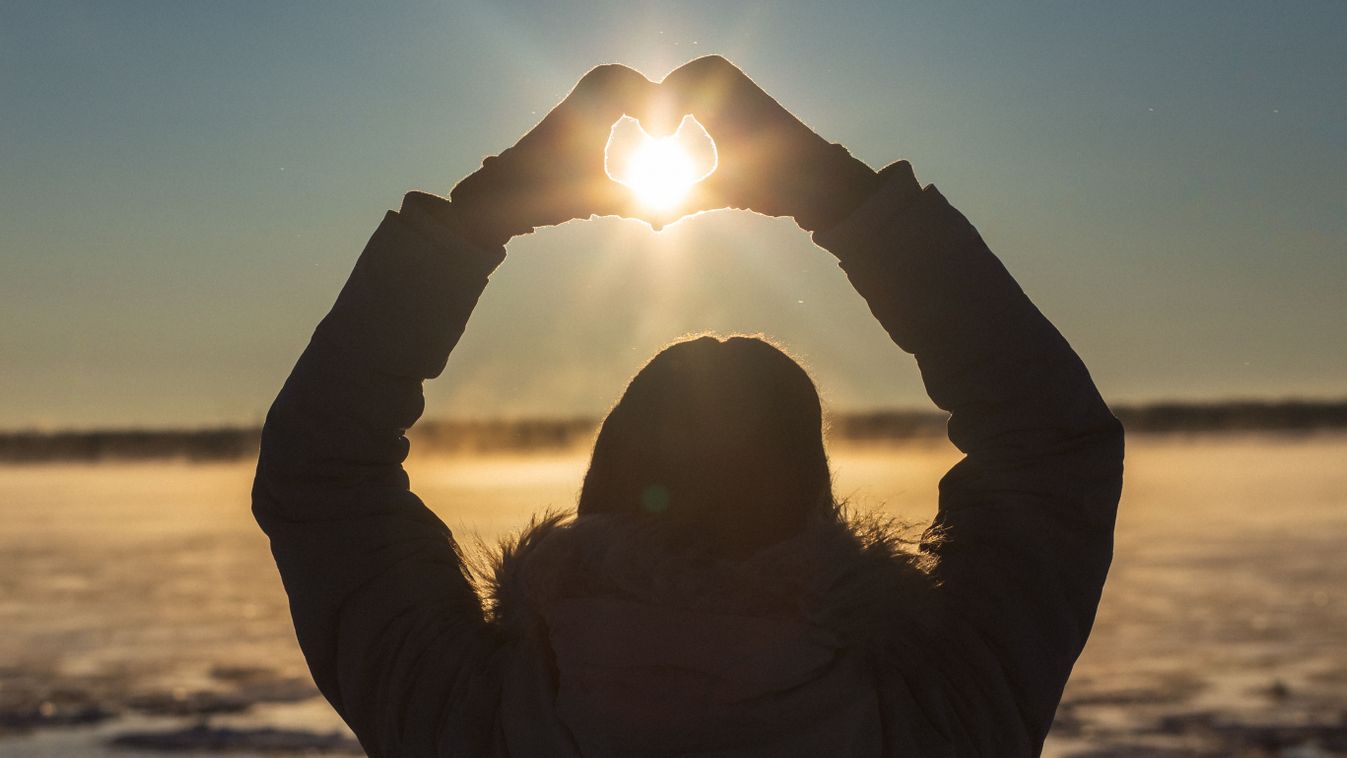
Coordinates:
column 660, row 171
column 762, row 158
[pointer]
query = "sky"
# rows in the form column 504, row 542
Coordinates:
column 185, row 186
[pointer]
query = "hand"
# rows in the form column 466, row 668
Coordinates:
column 555, row 173
column 769, row 162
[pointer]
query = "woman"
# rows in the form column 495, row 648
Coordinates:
column 707, row 599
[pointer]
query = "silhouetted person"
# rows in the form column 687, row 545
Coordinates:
column 708, row 599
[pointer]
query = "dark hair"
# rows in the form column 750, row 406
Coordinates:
column 720, row 440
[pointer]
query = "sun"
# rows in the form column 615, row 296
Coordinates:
column 661, row 173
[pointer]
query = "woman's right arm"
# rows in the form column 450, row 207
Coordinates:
column 387, row 619
column 384, row 613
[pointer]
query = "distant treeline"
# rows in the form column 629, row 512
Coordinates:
column 533, row 435
column 228, row 443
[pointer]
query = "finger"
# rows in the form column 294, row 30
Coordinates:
column 700, row 85
column 698, row 144
column 703, row 71
column 613, row 199
column 591, row 107
column 661, row 114
column 710, row 194
column 605, row 197
column 725, row 100
column 708, row 88
column 624, row 139
column 608, row 92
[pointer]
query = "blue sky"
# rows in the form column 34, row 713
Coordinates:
column 184, row 187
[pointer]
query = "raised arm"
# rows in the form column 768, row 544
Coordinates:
column 1026, row 519
column 389, row 624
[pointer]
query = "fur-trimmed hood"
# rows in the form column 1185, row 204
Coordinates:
column 646, row 646
column 844, row 575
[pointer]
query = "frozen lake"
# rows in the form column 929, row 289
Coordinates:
column 141, row 612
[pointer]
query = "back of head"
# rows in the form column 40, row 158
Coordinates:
column 719, row 440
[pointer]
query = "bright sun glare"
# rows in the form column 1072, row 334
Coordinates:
column 661, row 172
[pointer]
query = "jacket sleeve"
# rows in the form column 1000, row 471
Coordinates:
column 1023, row 535
column 387, row 619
